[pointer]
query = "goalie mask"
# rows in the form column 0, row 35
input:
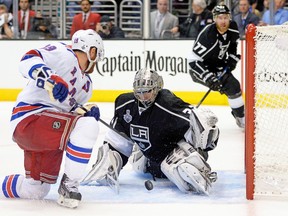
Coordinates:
column 84, row 40
column 147, row 84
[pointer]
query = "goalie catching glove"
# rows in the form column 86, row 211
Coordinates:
column 54, row 84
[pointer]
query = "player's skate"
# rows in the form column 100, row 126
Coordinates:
column 240, row 121
column 68, row 193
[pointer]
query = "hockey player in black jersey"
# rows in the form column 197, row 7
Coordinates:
column 213, row 58
column 170, row 137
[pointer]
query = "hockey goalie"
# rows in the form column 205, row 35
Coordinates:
column 165, row 136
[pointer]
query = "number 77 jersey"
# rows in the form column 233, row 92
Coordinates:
column 211, row 48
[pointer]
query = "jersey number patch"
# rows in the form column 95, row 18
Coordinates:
column 199, row 48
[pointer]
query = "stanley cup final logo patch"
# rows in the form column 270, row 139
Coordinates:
column 127, row 117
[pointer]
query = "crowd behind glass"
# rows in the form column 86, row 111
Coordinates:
column 125, row 19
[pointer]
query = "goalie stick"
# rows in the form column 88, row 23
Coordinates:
column 208, row 92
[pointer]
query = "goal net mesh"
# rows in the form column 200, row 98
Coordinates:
column 271, row 111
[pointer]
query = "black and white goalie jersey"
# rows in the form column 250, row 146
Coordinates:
column 156, row 129
column 211, row 49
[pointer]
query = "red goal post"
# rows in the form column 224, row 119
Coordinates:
column 266, row 111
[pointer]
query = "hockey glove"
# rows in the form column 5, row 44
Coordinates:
column 213, row 83
column 59, row 87
column 54, row 84
column 93, row 112
column 232, row 61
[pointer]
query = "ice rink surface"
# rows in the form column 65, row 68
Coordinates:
column 227, row 196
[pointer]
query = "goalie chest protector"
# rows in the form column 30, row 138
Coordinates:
column 156, row 129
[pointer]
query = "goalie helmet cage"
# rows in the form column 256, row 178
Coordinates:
column 266, row 111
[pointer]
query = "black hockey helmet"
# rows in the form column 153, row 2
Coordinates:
column 220, row 9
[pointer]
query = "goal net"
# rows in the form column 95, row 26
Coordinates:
column 266, row 102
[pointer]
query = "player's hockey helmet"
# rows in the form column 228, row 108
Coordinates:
column 147, row 80
column 83, row 40
column 220, row 9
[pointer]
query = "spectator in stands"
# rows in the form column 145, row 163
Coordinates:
column 280, row 14
column 197, row 20
column 42, row 28
column 6, row 23
column 161, row 20
column 8, row 4
column 25, row 16
column 106, row 29
column 211, row 4
column 85, row 20
column 71, row 9
column 265, row 5
column 253, row 8
column 234, row 7
column 245, row 17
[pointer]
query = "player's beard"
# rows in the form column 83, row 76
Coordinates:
column 222, row 28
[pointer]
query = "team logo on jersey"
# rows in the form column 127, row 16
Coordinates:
column 127, row 117
column 56, row 125
column 223, row 50
column 141, row 135
column 141, row 145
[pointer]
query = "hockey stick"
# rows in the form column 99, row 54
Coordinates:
column 117, row 132
column 208, row 92
column 80, row 109
column 112, row 176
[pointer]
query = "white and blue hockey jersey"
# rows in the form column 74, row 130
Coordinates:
column 61, row 59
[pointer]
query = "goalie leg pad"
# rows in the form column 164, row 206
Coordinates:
column 193, row 157
column 172, row 173
column 188, row 170
column 138, row 160
column 192, row 175
column 198, row 160
column 106, row 169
